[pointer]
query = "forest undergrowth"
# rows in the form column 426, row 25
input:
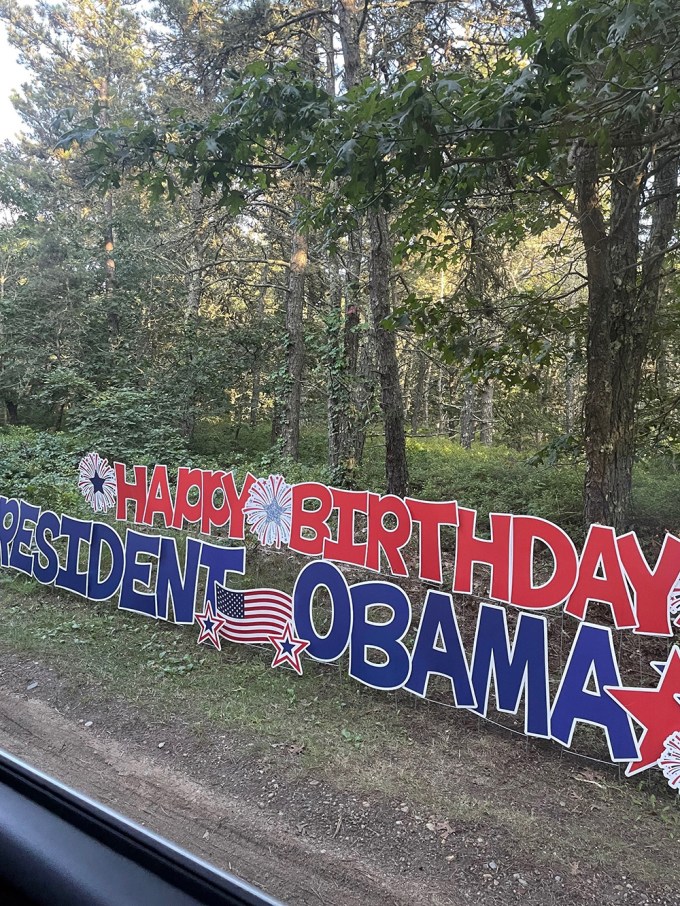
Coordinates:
column 41, row 466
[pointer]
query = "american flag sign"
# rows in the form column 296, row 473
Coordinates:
column 253, row 615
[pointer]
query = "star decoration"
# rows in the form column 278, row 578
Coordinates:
column 288, row 649
column 657, row 710
column 210, row 623
column 97, row 483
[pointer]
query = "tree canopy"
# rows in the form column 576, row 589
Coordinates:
column 457, row 218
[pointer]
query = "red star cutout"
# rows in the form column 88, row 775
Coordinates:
column 288, row 649
column 657, row 710
column 210, row 623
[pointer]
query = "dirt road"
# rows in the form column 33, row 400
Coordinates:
column 226, row 831
column 301, row 840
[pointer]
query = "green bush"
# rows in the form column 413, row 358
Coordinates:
column 218, row 438
column 656, row 494
column 130, row 425
column 42, row 468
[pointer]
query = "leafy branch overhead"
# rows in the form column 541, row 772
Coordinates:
column 391, row 212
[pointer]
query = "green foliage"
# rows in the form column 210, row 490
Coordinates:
column 217, row 437
column 130, row 425
column 468, row 152
column 42, row 468
column 495, row 479
column 656, row 495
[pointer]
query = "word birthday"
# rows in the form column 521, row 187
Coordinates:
column 388, row 644
column 611, row 570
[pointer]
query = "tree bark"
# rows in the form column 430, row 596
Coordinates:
column 623, row 293
column 338, row 397
column 391, row 398
column 295, row 345
column 257, row 370
column 112, row 315
column 194, row 286
column 467, row 416
column 12, row 412
column 486, row 414
column 342, row 337
column 351, row 19
column 418, row 394
column 599, row 461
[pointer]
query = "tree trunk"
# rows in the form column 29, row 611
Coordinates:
column 194, row 287
column 112, row 316
column 391, row 398
column 256, row 369
column 418, row 393
column 426, row 395
column 342, row 337
column 276, row 425
column 349, row 19
column 295, row 345
column 622, row 302
column 467, row 416
column 339, row 456
column 601, row 461
column 486, row 414
column 12, row 412
column 569, row 391
column 364, row 400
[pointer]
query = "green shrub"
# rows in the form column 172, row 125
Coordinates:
column 42, row 468
column 130, row 425
column 656, row 494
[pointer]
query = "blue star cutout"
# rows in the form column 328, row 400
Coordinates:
column 210, row 623
column 288, row 649
column 97, row 483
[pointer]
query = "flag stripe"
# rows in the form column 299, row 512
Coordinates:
column 254, row 603
column 267, row 592
column 246, row 637
column 268, row 602
column 265, row 631
column 261, row 610
column 260, row 618
column 256, row 624
column 253, row 615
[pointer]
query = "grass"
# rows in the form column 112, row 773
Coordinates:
column 159, row 667
column 355, row 738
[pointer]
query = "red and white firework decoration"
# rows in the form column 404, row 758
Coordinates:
column 674, row 600
column 97, row 482
column 269, row 510
column 669, row 762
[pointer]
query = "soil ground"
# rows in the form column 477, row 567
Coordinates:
column 315, row 790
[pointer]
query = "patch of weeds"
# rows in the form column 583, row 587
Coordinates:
column 356, row 739
column 60, row 633
column 173, row 664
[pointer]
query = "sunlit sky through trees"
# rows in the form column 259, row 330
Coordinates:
column 11, row 76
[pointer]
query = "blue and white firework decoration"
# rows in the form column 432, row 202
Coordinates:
column 269, row 510
column 97, row 482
